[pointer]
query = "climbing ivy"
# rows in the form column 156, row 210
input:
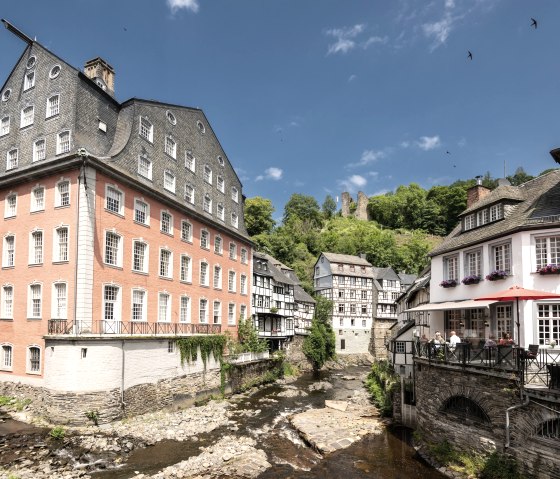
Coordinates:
column 189, row 347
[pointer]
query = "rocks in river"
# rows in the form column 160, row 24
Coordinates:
column 320, row 386
column 290, row 392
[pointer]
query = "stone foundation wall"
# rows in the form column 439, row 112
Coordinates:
column 380, row 329
column 242, row 376
column 294, row 354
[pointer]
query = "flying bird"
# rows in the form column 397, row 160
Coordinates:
column 533, row 23
column 448, row 152
column 469, row 56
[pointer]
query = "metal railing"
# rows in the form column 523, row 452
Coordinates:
column 111, row 328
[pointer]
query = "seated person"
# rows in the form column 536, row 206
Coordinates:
column 506, row 340
column 490, row 342
column 454, row 340
column 438, row 340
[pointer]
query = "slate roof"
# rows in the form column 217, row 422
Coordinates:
column 301, row 296
column 497, row 195
column 385, row 273
column 407, row 279
column 539, row 206
column 273, row 271
column 346, row 259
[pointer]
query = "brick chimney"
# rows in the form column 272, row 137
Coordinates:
column 101, row 73
column 477, row 192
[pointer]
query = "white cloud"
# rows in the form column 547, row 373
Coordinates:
column 344, row 38
column 352, row 183
column 351, row 78
column 439, row 30
column 373, row 40
column 368, row 156
column 427, row 143
column 176, row 5
column 271, row 173
column 462, row 142
column 405, row 144
column 373, row 174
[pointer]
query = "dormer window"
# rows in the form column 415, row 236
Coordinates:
column 496, row 212
column 469, row 222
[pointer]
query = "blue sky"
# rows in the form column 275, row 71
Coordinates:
column 324, row 96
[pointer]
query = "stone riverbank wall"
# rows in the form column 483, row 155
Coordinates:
column 72, row 408
column 467, row 407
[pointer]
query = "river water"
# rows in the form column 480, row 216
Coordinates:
column 385, row 456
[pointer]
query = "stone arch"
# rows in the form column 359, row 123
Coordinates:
column 472, row 400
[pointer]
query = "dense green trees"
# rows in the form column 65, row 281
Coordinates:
column 320, row 345
column 258, row 215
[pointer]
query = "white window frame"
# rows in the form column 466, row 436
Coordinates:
column 496, row 212
column 29, row 80
column 189, row 193
column 32, row 296
column 235, row 194
column 469, row 222
column 6, row 360
column 9, row 256
column 185, row 309
column 28, row 358
column 39, row 150
column 53, row 106
column 233, row 251
column 548, row 323
column 220, row 211
column 61, row 250
column 36, row 250
column 451, row 267
column 218, row 245
column 135, row 294
column 145, row 256
column 63, row 142
column 220, row 183
column 186, row 234
column 141, row 207
column 7, row 301
column 60, row 195
column 217, row 277
column 207, row 203
column 234, row 219
column 216, row 312
column 473, row 262
column 169, row 181
column 164, row 299
column 204, row 239
column 116, row 308
column 203, row 319
column 232, row 280
column 59, row 304
column 244, row 256
column 27, row 116
column 166, row 218
column 500, row 257
column 170, row 147
column 34, row 204
column 145, row 167
column 243, row 284
column 12, row 159
column 5, row 126
column 231, row 314
column 146, row 129
column 118, row 197
column 190, row 161
column 186, row 268
column 243, row 311
column 118, row 253
column 165, row 254
column 207, row 174
column 204, row 276
column 547, row 250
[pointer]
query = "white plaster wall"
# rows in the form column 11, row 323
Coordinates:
column 357, row 341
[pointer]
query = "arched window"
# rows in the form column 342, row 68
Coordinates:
column 465, row 408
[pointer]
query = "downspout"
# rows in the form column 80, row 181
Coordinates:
column 77, row 248
column 508, row 410
column 123, row 405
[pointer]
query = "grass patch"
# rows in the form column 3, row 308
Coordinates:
column 57, row 433
column 382, row 383
column 290, row 369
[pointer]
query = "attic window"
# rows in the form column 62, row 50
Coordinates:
column 55, row 71
column 171, row 118
column 220, row 161
column 201, row 127
column 100, row 84
column 31, row 62
column 6, row 94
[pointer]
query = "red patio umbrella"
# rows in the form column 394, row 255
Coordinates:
column 517, row 293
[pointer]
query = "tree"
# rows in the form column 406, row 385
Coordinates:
column 248, row 337
column 320, row 345
column 519, row 177
column 258, row 215
column 304, row 208
column 329, row 207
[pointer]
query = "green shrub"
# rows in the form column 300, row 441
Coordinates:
column 500, row 466
column 57, row 433
column 93, row 416
column 5, row 400
column 381, row 383
column 290, row 369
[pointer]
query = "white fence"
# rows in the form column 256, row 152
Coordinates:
column 248, row 357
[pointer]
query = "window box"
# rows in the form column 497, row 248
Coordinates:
column 496, row 275
column 448, row 283
column 549, row 269
column 472, row 279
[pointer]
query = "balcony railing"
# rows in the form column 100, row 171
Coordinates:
column 144, row 328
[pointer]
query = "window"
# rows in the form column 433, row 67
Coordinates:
column 400, row 347
column 139, row 256
column 203, row 273
column 141, row 212
column 6, row 94
column 111, row 307
column 231, row 281
column 59, row 301
column 207, row 174
column 138, row 305
column 190, row 161
column 34, row 360
column 63, row 142
column 55, row 71
column 53, row 106
column 112, row 249
column 235, row 194
column 185, row 310
column 352, row 309
column 217, row 317
column 145, row 167
column 204, row 239
column 472, row 263
column 217, row 277
column 60, row 252
column 34, row 302
column 31, row 62
column 12, row 159
column 146, row 129
column 549, row 323
column 451, row 268
column 496, row 212
column 469, row 222
column 186, row 231
column 185, row 273
column 169, row 181
column 189, row 194
column 244, row 257
column 341, row 308
column 234, row 220
column 218, row 244
column 171, row 118
column 8, row 260
column 242, row 312
column 5, row 126
column 36, row 248
column 201, row 127
column 7, row 357
column 220, row 183
column 166, row 223
column 231, row 314
column 29, row 80
column 164, row 308
column 220, row 160
column 170, row 147
column 220, row 212
column 38, row 199
column 243, row 284
column 114, row 200
column 482, row 217
column 547, row 251
column 207, row 204
column 232, row 251
column 39, row 150
column 203, row 311
column 501, row 257
column 8, row 302
column 62, row 194
column 165, row 263
column 364, row 309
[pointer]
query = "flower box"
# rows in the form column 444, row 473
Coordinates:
column 549, row 269
column 496, row 275
column 473, row 279
column 448, row 283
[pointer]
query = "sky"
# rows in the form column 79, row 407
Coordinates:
column 318, row 97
